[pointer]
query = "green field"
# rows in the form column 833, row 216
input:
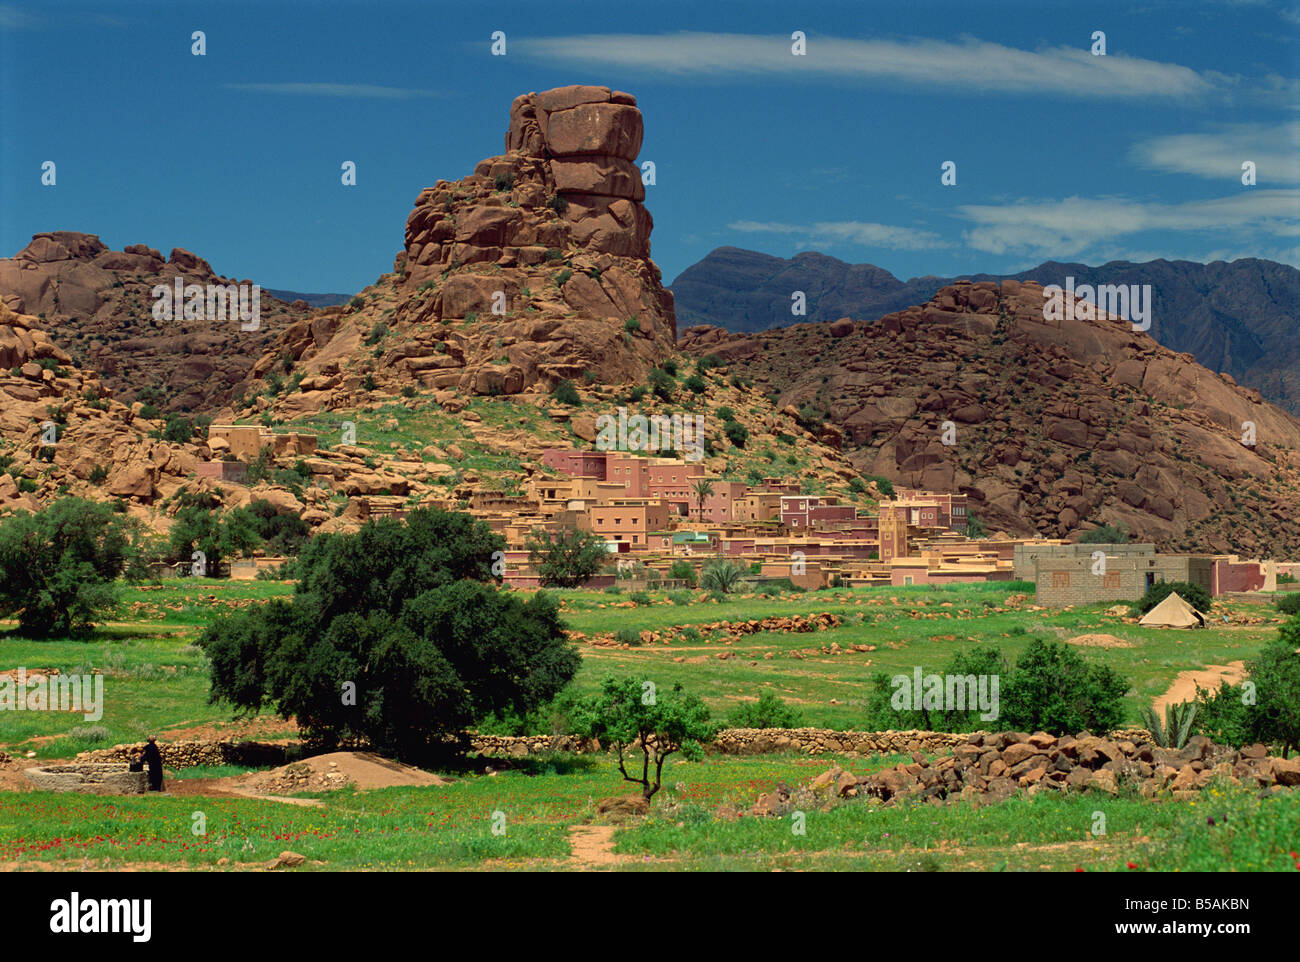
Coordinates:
column 156, row 681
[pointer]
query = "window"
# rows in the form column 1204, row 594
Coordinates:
column 1111, row 580
column 1060, row 579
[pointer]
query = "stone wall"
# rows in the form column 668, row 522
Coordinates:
column 87, row 779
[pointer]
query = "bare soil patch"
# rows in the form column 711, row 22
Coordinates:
column 1099, row 640
column 1184, row 686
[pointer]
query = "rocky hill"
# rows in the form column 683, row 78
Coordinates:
column 1241, row 317
column 1057, row 426
column 533, row 269
column 96, row 303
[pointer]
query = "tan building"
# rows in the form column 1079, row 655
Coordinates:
column 1077, row 574
column 758, row 506
column 630, row 520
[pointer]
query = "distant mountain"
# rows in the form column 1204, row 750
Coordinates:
column 313, row 300
column 1241, row 318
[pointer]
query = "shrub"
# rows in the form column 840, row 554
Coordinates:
column 725, row 413
column 405, row 611
column 632, row 325
column 558, row 204
column 562, row 277
column 357, row 303
column 1177, row 726
column 504, row 182
column 883, row 485
column 736, row 433
column 1289, row 604
column 98, row 474
column 721, row 576
column 639, row 598
column 200, row 525
column 566, row 393
column 566, row 559
column 377, row 334
column 696, row 384
column 1194, row 595
column 682, row 570
column 1265, row 707
column 178, row 429
column 1105, row 534
column 662, row 384
column 768, row 712
column 628, row 636
column 661, row 723
column 1053, row 689
column 680, row 597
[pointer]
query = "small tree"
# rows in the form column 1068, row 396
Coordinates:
column 1266, row 706
column 703, row 488
column 566, row 559
column 630, row 714
column 201, row 525
column 1055, row 690
column 58, row 568
column 682, row 570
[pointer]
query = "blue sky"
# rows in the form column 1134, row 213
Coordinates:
column 1061, row 154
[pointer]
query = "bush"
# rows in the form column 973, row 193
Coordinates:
column 558, row 204
column 628, row 636
column 696, row 384
column 681, row 570
column 662, row 384
column 282, row 534
column 201, row 525
column 504, row 182
column 736, row 433
column 721, row 577
column 632, row 325
column 768, row 712
column 1289, row 604
column 1105, row 534
column 59, row 567
column 178, row 429
column 1194, row 595
column 566, row 559
column 680, row 597
column 639, row 598
column 1265, row 707
column 725, row 413
column 566, row 393
column 377, row 334
column 394, row 634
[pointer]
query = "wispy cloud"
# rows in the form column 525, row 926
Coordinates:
column 1078, row 226
column 13, row 18
column 334, row 90
column 969, row 65
column 830, row 233
column 1275, row 149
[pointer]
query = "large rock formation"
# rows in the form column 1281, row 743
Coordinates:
column 533, row 269
column 1242, row 317
column 1055, row 425
column 97, row 303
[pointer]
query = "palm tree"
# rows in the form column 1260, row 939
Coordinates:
column 702, row 487
column 721, row 576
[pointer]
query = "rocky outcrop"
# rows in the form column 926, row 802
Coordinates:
column 533, row 269
column 1055, row 426
column 97, row 303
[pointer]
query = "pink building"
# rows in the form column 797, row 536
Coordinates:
column 577, row 464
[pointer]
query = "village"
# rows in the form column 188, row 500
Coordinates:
column 653, row 512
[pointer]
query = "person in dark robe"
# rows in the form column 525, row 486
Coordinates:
column 153, row 763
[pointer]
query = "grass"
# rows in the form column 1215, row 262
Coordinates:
column 534, row 806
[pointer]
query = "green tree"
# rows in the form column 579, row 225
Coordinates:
column 281, row 532
column 59, row 567
column 566, row 559
column 769, row 711
column 395, row 634
column 1053, row 689
column 975, row 527
column 629, row 712
column 682, row 570
column 202, row 525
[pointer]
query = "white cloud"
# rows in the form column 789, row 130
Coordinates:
column 970, row 65
column 829, row 233
column 1077, row 226
column 1275, row 149
column 335, row 90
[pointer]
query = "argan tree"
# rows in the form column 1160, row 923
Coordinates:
column 566, row 559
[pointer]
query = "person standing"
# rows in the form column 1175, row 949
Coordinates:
column 153, row 763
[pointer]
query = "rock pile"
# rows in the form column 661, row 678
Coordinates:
column 990, row 767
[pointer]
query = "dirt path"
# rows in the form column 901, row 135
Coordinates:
column 592, row 846
column 1184, row 686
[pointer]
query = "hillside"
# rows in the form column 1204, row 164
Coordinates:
column 97, row 304
column 1058, row 425
column 1240, row 318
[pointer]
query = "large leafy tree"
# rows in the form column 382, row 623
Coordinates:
column 566, row 559
column 1053, row 689
column 59, row 567
column 396, row 634
column 630, row 715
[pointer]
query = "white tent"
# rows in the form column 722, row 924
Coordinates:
column 1173, row 612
